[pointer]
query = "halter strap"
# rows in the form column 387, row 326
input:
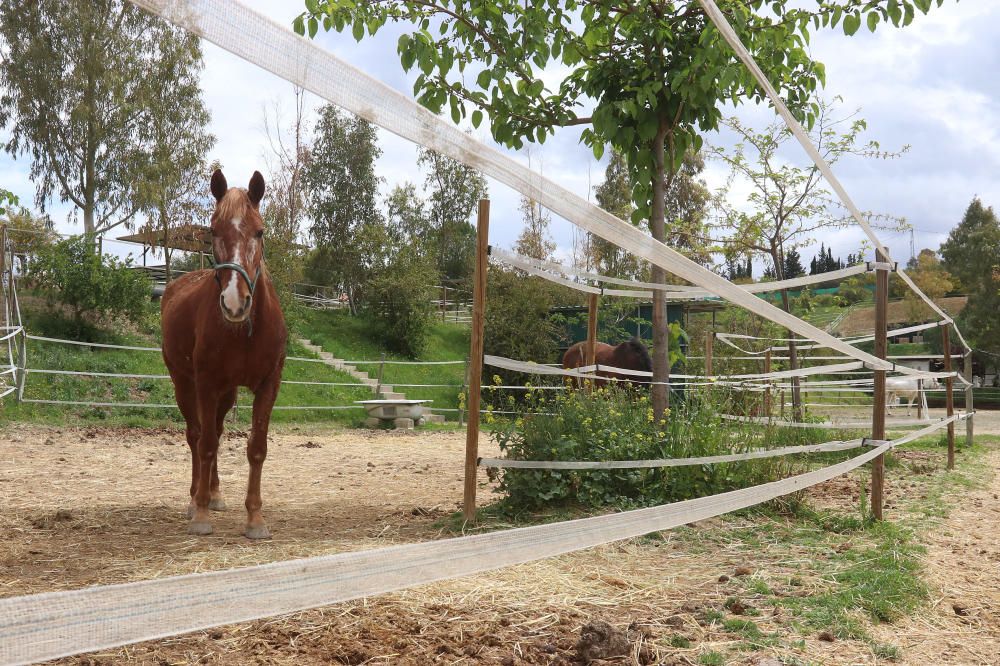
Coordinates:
column 252, row 284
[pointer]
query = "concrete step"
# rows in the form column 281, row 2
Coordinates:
column 433, row 418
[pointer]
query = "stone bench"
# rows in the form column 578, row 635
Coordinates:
column 403, row 413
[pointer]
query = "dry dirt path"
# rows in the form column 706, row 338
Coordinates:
column 85, row 506
column 961, row 625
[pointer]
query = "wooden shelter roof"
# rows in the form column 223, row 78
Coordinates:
column 187, row 237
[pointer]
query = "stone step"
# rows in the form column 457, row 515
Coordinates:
column 433, row 418
column 391, row 395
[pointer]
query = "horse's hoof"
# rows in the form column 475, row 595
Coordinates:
column 257, row 532
column 190, row 511
column 199, row 529
column 217, row 504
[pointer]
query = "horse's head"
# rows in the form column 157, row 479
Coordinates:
column 638, row 349
column 237, row 243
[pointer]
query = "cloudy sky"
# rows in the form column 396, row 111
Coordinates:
column 932, row 86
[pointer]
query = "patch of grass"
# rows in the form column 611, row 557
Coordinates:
column 745, row 628
column 156, row 389
column 886, row 651
column 712, row 658
column 678, row 641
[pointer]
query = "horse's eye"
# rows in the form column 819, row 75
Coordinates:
column 260, row 234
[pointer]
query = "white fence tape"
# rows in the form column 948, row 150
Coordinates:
column 57, row 624
column 503, row 463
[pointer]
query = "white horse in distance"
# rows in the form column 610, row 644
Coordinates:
column 905, row 388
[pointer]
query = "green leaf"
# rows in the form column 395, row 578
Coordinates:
column 851, row 24
column 872, row 21
column 484, row 79
column 477, row 118
column 358, row 30
column 313, row 27
column 298, row 25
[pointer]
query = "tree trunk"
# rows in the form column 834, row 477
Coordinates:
column 657, row 226
column 166, row 243
column 793, row 364
column 778, row 260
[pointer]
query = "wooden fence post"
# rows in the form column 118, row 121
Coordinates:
column 476, row 360
column 949, row 384
column 878, row 409
column 709, row 342
column 969, row 407
column 464, row 390
column 381, row 371
column 767, row 391
column 920, row 398
column 4, row 309
column 592, row 334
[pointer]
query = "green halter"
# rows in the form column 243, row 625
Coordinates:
column 252, row 284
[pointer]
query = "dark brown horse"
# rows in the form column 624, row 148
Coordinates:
column 223, row 328
column 630, row 355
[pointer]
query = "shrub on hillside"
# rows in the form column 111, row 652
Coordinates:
column 399, row 300
column 854, row 290
column 517, row 323
column 614, row 424
column 71, row 272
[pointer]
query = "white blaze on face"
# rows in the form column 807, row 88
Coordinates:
column 231, row 292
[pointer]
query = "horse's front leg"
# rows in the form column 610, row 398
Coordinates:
column 208, row 450
column 263, row 402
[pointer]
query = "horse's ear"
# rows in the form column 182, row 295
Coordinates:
column 256, row 189
column 219, row 185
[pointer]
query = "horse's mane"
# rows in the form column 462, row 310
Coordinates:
column 640, row 350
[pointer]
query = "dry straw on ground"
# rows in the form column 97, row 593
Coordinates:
column 92, row 506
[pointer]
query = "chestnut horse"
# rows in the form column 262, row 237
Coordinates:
column 630, row 355
column 223, row 328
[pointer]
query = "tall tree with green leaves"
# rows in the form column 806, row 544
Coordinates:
column 84, row 83
column 287, row 198
column 409, row 223
column 615, row 196
column 788, row 206
column 454, row 193
column 644, row 77
column 972, row 255
column 173, row 187
column 535, row 240
column 347, row 228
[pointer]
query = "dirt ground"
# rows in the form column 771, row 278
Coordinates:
column 87, row 506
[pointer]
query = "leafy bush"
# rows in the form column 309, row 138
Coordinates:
column 517, row 323
column 854, row 290
column 71, row 272
column 399, row 300
column 616, row 424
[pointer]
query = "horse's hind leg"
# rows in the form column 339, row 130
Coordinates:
column 226, row 402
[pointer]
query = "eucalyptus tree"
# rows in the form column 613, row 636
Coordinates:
column 453, row 192
column 535, row 240
column 647, row 77
column 347, row 224
column 171, row 184
column 81, row 85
